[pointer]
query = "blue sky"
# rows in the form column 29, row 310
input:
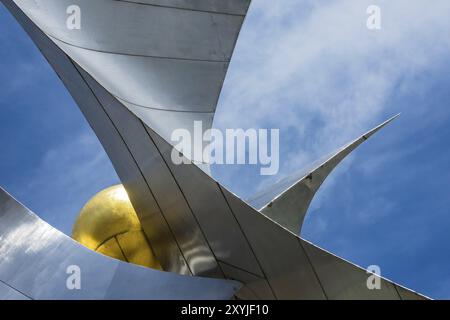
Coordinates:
column 313, row 70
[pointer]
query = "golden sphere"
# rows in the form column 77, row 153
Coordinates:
column 109, row 225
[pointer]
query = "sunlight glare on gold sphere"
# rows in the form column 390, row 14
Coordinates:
column 109, row 225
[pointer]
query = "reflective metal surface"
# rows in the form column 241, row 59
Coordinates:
column 170, row 203
column 296, row 269
column 287, row 202
column 237, row 7
column 342, row 280
column 195, row 226
column 166, row 64
column 34, row 258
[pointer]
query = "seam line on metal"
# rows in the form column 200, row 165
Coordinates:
column 136, row 163
column 313, row 269
column 184, row 197
column 396, row 290
column 181, row 8
column 246, row 238
column 135, row 55
column 241, row 269
column 162, row 109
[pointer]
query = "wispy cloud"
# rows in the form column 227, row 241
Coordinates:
column 313, row 69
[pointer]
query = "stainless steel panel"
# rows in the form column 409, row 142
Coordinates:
column 255, row 288
column 170, row 201
column 343, row 280
column 154, row 83
column 279, row 253
column 34, row 260
column 152, row 31
column 169, row 59
column 407, row 294
column 169, row 254
column 164, row 123
column 212, row 212
column 221, row 230
column 228, row 6
column 290, row 208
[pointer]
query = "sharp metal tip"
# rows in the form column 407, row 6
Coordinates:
column 379, row 127
column 393, row 118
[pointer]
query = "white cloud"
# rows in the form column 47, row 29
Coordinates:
column 315, row 68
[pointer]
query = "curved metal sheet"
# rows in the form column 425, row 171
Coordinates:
column 170, row 59
column 146, row 31
column 164, row 188
column 342, row 280
column 287, row 202
column 237, row 7
column 296, row 269
column 225, row 237
column 407, row 294
column 34, row 258
column 184, row 86
column 129, row 147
